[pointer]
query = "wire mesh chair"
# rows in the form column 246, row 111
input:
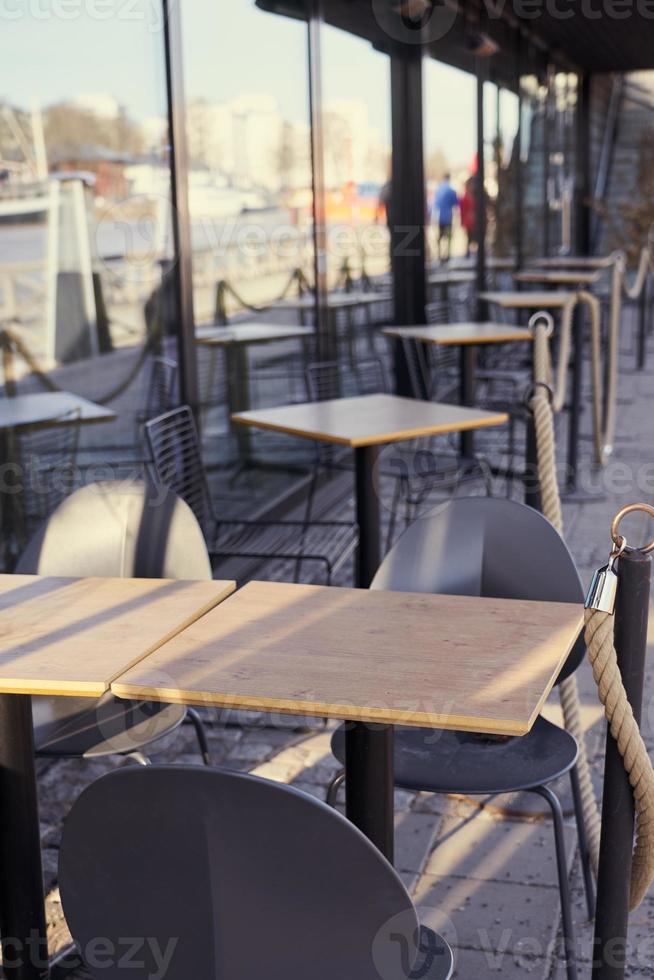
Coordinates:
column 177, row 463
column 47, row 460
column 160, row 393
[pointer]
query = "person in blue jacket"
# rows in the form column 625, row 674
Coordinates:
column 445, row 201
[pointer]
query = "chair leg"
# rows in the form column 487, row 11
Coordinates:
column 564, row 886
column 584, row 851
column 138, row 757
column 393, row 518
column 333, row 788
column 200, row 733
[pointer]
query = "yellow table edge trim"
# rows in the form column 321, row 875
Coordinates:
column 494, row 419
column 498, row 338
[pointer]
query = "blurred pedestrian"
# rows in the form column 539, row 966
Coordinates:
column 445, row 201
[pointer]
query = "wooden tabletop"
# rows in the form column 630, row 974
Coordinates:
column 249, row 333
column 464, row 663
column 45, row 408
column 369, row 420
column 446, row 277
column 460, row 334
column 573, row 261
column 529, row 300
column 559, row 277
column 74, row 636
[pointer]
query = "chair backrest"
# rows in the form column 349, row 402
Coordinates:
column 119, row 529
column 47, row 456
column 485, row 546
column 177, row 462
column 326, row 379
column 161, row 386
column 228, row 876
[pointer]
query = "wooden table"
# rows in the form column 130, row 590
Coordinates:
column 455, row 662
column 235, row 339
column 558, row 277
column 468, row 337
column 515, row 300
column 365, row 423
column 573, row 261
column 45, row 408
column 65, row 637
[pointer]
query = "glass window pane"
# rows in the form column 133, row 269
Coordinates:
column 84, row 240
column 251, row 207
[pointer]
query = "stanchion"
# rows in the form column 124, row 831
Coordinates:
column 616, row 847
column 641, row 349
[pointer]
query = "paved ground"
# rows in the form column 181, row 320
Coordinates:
column 482, row 871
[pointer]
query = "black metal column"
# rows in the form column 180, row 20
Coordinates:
column 408, row 205
column 22, row 911
column 641, row 350
column 181, row 226
column 583, row 215
column 468, row 370
column 369, row 782
column 480, row 191
column 368, row 519
column 325, row 325
column 576, row 406
column 616, row 846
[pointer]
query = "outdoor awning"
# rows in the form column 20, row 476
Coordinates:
column 590, row 35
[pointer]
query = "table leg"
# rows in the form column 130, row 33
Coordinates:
column 22, row 911
column 238, row 395
column 369, row 782
column 467, row 395
column 368, row 519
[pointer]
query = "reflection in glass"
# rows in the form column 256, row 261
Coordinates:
column 84, row 240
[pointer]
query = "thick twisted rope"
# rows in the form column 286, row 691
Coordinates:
column 551, row 506
column 625, row 731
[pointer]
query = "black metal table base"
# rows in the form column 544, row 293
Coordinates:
column 22, row 909
column 369, row 783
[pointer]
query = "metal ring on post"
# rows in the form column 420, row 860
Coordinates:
column 539, row 317
column 530, row 391
column 617, row 538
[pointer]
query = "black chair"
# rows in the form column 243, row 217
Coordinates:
column 47, row 456
column 500, row 548
column 160, row 395
column 227, row 876
column 114, row 530
column 177, row 463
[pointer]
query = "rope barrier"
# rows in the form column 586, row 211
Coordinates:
column 543, row 407
column 601, row 653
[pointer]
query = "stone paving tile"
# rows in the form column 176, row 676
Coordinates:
column 489, row 915
column 498, row 850
column 470, row 964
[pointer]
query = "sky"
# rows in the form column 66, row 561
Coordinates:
column 46, row 57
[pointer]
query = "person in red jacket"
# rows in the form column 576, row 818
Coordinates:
column 468, row 212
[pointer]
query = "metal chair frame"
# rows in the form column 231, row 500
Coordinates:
column 177, row 463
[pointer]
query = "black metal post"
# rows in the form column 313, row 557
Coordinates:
column 369, row 782
column 641, row 353
column 408, row 205
column 468, row 371
column 480, row 191
column 519, row 175
column 616, row 846
column 22, row 911
column 583, row 242
column 181, row 224
column 325, row 325
column 367, row 507
column 575, row 399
